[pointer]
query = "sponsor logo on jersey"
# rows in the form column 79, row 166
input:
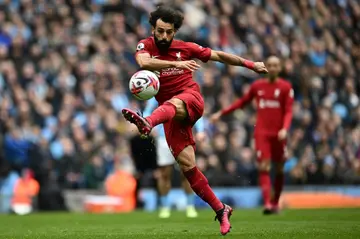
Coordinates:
column 269, row 104
column 172, row 71
column 178, row 56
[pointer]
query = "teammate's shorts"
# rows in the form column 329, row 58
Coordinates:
column 179, row 134
column 164, row 156
column 270, row 148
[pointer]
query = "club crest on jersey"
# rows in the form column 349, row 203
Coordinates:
column 140, row 46
column 178, row 55
column 277, row 93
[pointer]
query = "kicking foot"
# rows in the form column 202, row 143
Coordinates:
column 191, row 212
column 136, row 118
column 164, row 212
column 223, row 216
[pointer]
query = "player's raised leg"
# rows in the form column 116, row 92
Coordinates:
column 164, row 186
column 190, row 198
column 161, row 114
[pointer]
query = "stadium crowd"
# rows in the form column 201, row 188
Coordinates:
column 65, row 65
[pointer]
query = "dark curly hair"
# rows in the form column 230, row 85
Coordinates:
column 168, row 15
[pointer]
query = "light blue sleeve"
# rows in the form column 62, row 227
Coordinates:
column 150, row 106
column 200, row 125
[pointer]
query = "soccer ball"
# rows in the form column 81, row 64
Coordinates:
column 144, row 85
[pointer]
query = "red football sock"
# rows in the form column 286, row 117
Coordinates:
column 162, row 114
column 278, row 186
column 200, row 185
column 265, row 185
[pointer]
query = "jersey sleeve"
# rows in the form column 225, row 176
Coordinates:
column 288, row 102
column 240, row 103
column 200, row 125
column 143, row 46
column 199, row 52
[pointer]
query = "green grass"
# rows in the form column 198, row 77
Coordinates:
column 309, row 224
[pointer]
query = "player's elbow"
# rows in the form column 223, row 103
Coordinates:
column 143, row 64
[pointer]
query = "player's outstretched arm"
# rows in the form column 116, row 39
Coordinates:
column 235, row 60
column 238, row 104
column 146, row 62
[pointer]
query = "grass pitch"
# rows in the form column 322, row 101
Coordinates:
column 326, row 223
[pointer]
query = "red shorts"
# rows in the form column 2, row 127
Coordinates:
column 179, row 134
column 270, row 148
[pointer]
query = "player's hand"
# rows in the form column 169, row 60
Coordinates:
column 215, row 117
column 282, row 134
column 260, row 67
column 189, row 65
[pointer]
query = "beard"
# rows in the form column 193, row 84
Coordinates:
column 162, row 45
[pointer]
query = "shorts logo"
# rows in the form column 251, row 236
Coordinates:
column 140, row 46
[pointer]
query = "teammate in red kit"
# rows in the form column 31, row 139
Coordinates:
column 274, row 99
column 180, row 101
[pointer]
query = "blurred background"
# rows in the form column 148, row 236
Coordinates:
column 64, row 70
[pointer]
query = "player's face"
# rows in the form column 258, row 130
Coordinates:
column 163, row 34
column 274, row 66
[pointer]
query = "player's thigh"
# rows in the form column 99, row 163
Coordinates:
column 263, row 153
column 164, row 155
column 189, row 105
column 181, row 142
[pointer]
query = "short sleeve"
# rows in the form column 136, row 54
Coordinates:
column 199, row 52
column 143, row 46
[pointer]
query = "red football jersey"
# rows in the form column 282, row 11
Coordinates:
column 274, row 105
column 174, row 80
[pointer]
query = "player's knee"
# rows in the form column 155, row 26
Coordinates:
column 264, row 166
column 165, row 174
column 180, row 106
column 186, row 159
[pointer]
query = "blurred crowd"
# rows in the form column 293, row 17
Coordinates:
column 65, row 65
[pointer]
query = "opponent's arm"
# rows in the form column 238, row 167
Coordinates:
column 200, row 125
column 234, row 60
column 150, row 106
column 145, row 62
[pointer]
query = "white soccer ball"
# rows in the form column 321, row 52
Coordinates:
column 144, row 85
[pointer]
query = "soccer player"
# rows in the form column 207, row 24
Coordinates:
column 180, row 101
column 165, row 162
column 274, row 98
